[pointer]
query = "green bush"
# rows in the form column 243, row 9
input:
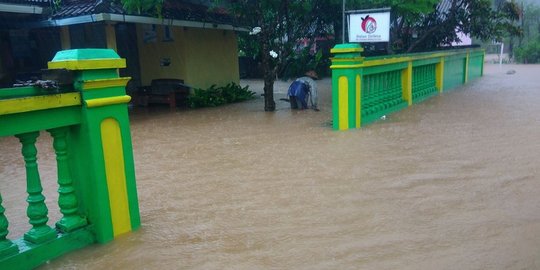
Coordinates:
column 529, row 54
column 215, row 96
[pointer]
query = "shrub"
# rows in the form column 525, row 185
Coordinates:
column 215, row 96
column 529, row 54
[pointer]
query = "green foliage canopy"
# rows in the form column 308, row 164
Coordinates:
column 280, row 24
column 143, row 6
column 529, row 50
column 415, row 25
column 420, row 25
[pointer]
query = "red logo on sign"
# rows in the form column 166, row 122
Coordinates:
column 369, row 25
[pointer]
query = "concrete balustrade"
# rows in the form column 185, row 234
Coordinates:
column 91, row 138
column 366, row 89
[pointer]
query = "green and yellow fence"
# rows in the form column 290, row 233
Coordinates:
column 89, row 124
column 365, row 89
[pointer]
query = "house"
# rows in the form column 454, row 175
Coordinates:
column 188, row 41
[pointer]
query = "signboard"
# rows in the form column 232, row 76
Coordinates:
column 369, row 26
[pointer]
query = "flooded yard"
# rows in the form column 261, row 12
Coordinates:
column 450, row 183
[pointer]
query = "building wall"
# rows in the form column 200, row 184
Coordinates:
column 126, row 47
column 201, row 57
column 212, row 57
column 4, row 76
column 24, row 52
column 1, row 68
column 88, row 35
column 152, row 50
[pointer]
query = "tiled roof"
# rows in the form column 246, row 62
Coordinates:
column 42, row 3
column 75, row 8
column 178, row 10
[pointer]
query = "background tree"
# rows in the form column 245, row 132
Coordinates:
column 329, row 12
column 277, row 26
column 430, row 24
column 143, row 6
column 530, row 21
column 528, row 50
column 417, row 25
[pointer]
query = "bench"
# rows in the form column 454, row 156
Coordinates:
column 167, row 91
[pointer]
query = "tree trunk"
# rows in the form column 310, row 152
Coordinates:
column 269, row 78
column 424, row 37
column 510, row 47
column 269, row 104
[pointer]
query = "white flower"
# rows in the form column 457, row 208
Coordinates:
column 273, row 54
column 255, row 30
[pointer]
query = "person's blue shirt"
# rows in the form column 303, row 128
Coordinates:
column 301, row 89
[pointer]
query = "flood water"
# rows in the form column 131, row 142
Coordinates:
column 451, row 183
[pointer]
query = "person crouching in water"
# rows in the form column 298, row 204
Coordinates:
column 302, row 90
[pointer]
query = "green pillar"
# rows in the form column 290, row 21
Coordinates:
column 67, row 200
column 37, row 210
column 346, row 86
column 103, row 167
column 482, row 62
column 6, row 246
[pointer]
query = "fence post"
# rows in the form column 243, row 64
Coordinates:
column 6, row 246
column 37, row 209
column 406, row 83
column 482, row 63
column 439, row 74
column 346, row 86
column 101, row 156
column 67, row 200
column 466, row 76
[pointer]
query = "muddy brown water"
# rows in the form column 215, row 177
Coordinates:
column 451, row 183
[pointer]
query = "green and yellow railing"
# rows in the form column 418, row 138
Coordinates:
column 91, row 138
column 365, row 89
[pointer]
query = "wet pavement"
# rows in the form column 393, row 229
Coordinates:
column 450, row 183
